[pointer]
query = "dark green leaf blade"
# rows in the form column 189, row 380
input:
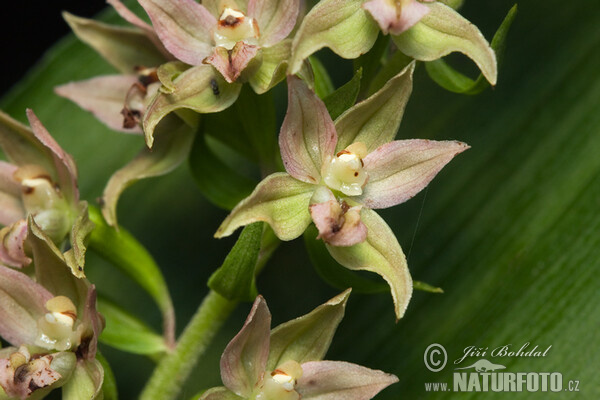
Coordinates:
column 343, row 97
column 235, row 279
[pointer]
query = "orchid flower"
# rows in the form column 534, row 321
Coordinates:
column 244, row 40
column 52, row 322
column 425, row 30
column 285, row 363
column 338, row 172
column 40, row 180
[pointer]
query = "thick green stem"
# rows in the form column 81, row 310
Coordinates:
column 172, row 371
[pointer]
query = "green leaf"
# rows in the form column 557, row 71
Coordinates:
column 343, row 97
column 392, row 66
column 109, row 386
column 454, row 81
column 333, row 273
column 121, row 249
column 323, row 85
column 218, row 182
column 235, row 279
column 125, row 332
column 86, row 381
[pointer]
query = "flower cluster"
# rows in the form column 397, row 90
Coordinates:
column 338, row 159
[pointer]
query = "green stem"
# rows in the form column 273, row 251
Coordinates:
column 172, row 371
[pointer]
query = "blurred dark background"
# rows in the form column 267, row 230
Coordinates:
column 34, row 26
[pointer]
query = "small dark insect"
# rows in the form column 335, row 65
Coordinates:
column 214, row 86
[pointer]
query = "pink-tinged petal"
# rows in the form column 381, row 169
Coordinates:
column 338, row 223
column 337, row 380
column 63, row 162
column 396, row 18
column 25, row 377
column 279, row 200
column 184, row 27
column 401, row 169
column 22, row 303
column 103, row 96
column 231, row 63
column 380, row 253
column 11, row 209
column 275, row 19
column 94, row 325
column 12, row 245
column 308, row 138
column 245, row 357
column 8, row 183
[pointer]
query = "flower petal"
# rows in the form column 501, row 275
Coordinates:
column 245, row 357
column 63, row 162
column 184, row 27
column 443, row 31
column 275, row 19
column 22, row 303
column 279, row 200
column 231, row 63
column 12, row 245
column 11, row 209
column 401, row 169
column 393, row 20
column 103, row 96
column 308, row 138
column 123, row 47
column 82, row 227
column 342, row 25
column 337, row 225
column 22, row 376
column 307, row 338
column 380, row 253
column 337, row 380
column 172, row 146
column 375, row 121
column 273, row 66
column 194, row 89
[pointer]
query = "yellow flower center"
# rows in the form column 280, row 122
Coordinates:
column 56, row 326
column 345, row 172
column 234, row 26
column 281, row 383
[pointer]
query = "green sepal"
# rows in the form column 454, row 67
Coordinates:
column 342, row 25
column 396, row 63
column 307, row 338
column 272, row 68
column 333, row 273
column 450, row 79
column 426, row 287
column 124, row 48
column 121, row 249
column 82, row 227
column 380, row 253
column 200, row 89
column 443, row 31
column 109, row 385
column 343, row 97
column 235, row 278
column 323, row 84
column 168, row 72
column 125, row 332
column 86, row 382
